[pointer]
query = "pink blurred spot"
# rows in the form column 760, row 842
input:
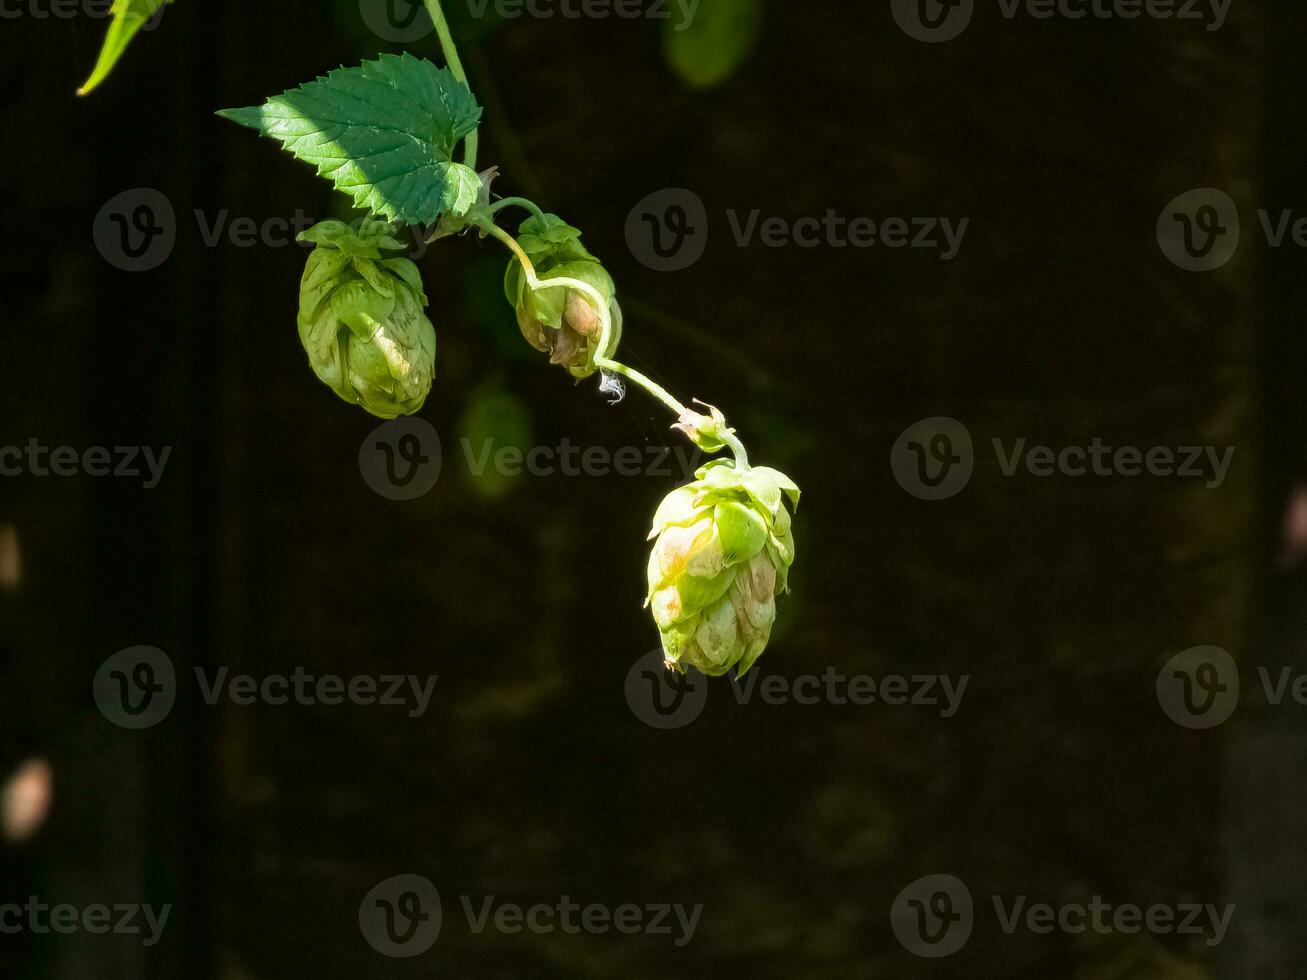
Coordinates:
column 11, row 558
column 25, row 800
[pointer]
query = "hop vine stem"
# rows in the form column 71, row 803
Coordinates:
column 605, row 317
column 520, row 202
column 450, row 51
column 488, row 226
column 602, row 360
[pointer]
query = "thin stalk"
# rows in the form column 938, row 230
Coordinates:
column 602, row 360
column 605, row 317
column 450, row 51
column 520, row 202
column 734, row 444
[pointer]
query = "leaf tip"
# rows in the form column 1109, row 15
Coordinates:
column 251, row 116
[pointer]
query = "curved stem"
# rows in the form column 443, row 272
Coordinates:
column 657, row 390
column 450, row 51
column 520, row 202
column 602, row 360
column 734, row 444
column 605, row 316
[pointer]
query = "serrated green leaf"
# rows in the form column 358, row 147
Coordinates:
column 129, row 16
column 712, row 46
column 462, row 185
column 383, row 132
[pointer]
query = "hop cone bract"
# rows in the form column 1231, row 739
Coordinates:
column 561, row 321
column 722, row 555
column 361, row 319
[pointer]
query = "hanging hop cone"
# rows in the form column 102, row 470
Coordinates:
column 361, row 319
column 560, row 321
column 722, row 555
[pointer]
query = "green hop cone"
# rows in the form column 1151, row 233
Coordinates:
column 722, row 555
column 562, row 322
column 361, row 319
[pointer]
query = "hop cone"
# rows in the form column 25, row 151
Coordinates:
column 723, row 554
column 361, row 319
column 560, row 321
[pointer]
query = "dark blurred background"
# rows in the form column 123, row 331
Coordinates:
column 262, row 548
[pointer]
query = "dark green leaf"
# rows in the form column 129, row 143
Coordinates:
column 383, row 132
